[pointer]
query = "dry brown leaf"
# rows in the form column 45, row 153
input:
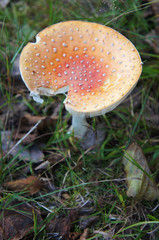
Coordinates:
column 136, row 167
column 87, row 221
column 31, row 185
column 62, row 226
column 44, row 129
column 32, row 120
column 65, row 196
column 74, row 236
column 27, row 140
column 84, row 235
column 17, row 222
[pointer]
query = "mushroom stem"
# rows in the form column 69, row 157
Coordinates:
column 79, row 125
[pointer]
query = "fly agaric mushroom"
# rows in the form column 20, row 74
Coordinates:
column 95, row 64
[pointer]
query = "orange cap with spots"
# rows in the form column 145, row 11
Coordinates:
column 95, row 64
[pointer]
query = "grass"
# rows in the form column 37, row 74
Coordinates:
column 89, row 178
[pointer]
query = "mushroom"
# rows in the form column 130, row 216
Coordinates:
column 95, row 64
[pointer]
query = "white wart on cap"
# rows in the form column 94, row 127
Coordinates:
column 97, row 65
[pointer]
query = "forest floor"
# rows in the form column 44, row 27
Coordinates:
column 54, row 186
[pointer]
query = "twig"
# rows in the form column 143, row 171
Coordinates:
column 31, row 130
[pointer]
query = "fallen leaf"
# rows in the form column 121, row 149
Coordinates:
column 4, row 3
column 105, row 235
column 32, row 120
column 44, row 129
column 32, row 153
column 52, row 160
column 65, row 196
column 31, row 185
column 62, row 226
column 142, row 186
column 93, row 138
column 87, row 221
column 27, row 140
column 74, row 236
column 84, row 235
column 17, row 220
column 35, row 154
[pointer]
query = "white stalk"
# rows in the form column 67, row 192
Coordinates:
column 79, row 125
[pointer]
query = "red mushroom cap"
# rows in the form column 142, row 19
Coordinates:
column 97, row 65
